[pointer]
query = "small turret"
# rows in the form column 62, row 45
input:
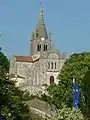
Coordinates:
column 33, row 36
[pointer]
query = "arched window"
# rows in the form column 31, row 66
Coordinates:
column 51, row 79
column 52, row 65
column 38, row 47
column 55, row 65
column 48, row 65
column 46, row 47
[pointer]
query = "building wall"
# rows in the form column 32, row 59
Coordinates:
column 37, row 73
column 54, row 74
column 12, row 65
column 35, row 42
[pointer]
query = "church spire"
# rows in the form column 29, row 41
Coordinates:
column 41, row 13
column 41, row 41
column 40, row 30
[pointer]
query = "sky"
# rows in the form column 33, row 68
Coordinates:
column 67, row 20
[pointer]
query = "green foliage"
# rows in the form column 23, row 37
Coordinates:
column 76, row 67
column 55, row 96
column 26, row 96
column 11, row 104
column 4, row 62
column 86, row 89
column 68, row 114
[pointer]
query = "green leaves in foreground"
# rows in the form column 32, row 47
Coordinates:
column 11, row 104
column 68, row 114
column 77, row 66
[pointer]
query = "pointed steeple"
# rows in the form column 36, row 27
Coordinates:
column 41, row 14
column 41, row 29
column 41, row 40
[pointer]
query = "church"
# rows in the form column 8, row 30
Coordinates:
column 43, row 64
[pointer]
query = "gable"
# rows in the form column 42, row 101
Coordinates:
column 53, row 53
column 53, row 56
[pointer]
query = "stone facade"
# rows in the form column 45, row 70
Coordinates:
column 42, row 66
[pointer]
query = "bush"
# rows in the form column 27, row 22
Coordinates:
column 68, row 114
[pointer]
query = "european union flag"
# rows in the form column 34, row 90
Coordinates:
column 76, row 94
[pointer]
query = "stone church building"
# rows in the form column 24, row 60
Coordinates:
column 42, row 66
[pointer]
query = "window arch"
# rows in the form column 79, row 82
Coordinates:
column 55, row 65
column 51, row 79
column 38, row 47
column 45, row 47
column 48, row 65
column 52, row 65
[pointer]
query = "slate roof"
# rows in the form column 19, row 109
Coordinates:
column 41, row 28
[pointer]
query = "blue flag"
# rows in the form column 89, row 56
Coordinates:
column 76, row 94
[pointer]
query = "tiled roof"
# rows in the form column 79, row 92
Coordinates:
column 25, row 59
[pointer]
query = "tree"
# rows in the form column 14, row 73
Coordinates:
column 76, row 67
column 4, row 63
column 86, row 89
column 68, row 114
column 12, row 107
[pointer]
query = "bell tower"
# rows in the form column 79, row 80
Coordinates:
column 40, row 41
